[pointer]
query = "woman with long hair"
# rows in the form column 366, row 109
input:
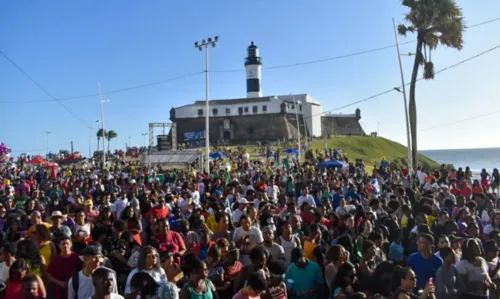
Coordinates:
column 17, row 272
column 495, row 180
column 148, row 262
column 473, row 270
column 43, row 239
column 198, row 285
column 345, row 281
column 133, row 220
column 28, row 250
column 335, row 256
column 407, row 284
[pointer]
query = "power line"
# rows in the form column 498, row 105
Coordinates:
column 346, row 55
column 43, row 89
column 221, row 71
column 407, row 84
column 460, row 121
column 107, row 92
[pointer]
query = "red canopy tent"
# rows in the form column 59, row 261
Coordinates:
column 37, row 160
column 50, row 165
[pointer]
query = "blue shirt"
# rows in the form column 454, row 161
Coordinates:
column 304, row 278
column 424, row 268
column 396, row 252
column 336, row 200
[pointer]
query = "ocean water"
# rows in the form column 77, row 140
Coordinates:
column 476, row 159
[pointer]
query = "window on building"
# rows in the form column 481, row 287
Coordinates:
column 228, row 111
column 293, row 106
column 240, row 110
column 251, row 52
column 246, row 109
column 300, row 107
column 255, row 109
column 200, row 112
column 264, row 108
column 215, row 111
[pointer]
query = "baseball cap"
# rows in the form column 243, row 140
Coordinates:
column 88, row 202
column 243, row 201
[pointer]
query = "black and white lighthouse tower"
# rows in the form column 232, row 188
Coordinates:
column 253, row 64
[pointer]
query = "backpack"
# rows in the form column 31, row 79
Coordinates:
column 75, row 283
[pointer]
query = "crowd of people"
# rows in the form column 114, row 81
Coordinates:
column 250, row 228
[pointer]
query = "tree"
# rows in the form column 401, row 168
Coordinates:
column 436, row 22
column 100, row 134
column 110, row 135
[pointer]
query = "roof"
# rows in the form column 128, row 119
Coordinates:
column 235, row 101
column 340, row 115
column 177, row 157
column 252, row 46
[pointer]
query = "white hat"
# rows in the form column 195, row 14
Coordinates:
column 243, row 201
column 56, row 214
column 132, row 181
column 443, row 186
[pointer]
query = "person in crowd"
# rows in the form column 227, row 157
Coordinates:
column 345, row 281
column 8, row 257
column 17, row 272
column 247, row 237
column 63, row 267
column 288, row 241
column 256, row 285
column 407, row 284
column 148, row 262
column 103, row 281
column 29, row 251
column 31, row 284
column 169, row 241
column 276, row 251
column 449, row 284
column 304, row 278
column 198, row 285
column 424, row 263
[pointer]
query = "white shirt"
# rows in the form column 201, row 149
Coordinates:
column 196, row 197
column 237, row 215
column 86, row 287
column 4, row 272
column 158, row 275
column 120, row 205
column 112, row 296
column 272, row 192
column 308, row 198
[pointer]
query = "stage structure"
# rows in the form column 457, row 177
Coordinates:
column 162, row 139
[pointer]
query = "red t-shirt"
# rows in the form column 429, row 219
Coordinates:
column 160, row 213
column 63, row 268
column 466, row 192
column 455, row 191
column 171, row 242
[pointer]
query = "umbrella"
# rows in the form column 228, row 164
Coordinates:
column 50, row 165
column 331, row 164
column 291, row 151
column 216, row 155
column 37, row 160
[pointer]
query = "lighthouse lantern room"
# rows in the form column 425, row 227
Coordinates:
column 253, row 65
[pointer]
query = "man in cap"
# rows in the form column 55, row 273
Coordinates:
column 89, row 211
column 80, row 285
column 59, row 230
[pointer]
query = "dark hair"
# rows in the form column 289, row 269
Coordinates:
column 100, row 273
column 219, row 216
column 277, row 267
column 296, row 254
column 141, row 260
column 343, row 271
column 467, row 252
column 120, row 225
column 257, row 282
column 445, row 251
column 19, row 264
column 334, row 253
column 30, row 278
column 402, row 273
column 367, row 244
column 30, row 252
column 429, row 238
column 43, row 232
column 258, row 252
column 145, row 284
column 9, row 248
column 214, row 252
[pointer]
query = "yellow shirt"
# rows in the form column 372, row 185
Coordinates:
column 46, row 253
column 211, row 223
column 31, row 230
column 309, row 249
column 404, row 221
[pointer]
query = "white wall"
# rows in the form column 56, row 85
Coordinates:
column 191, row 111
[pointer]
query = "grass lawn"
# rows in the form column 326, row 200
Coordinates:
column 369, row 149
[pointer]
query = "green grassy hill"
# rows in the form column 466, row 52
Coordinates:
column 372, row 149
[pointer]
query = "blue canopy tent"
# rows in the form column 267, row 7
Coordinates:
column 216, row 155
column 291, row 151
column 331, row 164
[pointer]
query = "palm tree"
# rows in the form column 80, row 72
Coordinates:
column 100, row 134
column 110, row 135
column 436, row 22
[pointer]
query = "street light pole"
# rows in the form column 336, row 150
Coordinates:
column 144, row 137
column 129, row 144
column 206, row 44
column 47, row 141
column 102, row 126
column 410, row 160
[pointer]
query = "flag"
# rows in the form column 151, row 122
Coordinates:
column 376, row 187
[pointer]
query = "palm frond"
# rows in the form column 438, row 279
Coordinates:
column 402, row 29
column 428, row 70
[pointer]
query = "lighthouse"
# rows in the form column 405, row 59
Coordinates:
column 253, row 65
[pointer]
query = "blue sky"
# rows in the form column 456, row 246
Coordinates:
column 68, row 46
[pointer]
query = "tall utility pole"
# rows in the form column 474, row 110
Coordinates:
column 47, row 133
column 144, row 137
column 102, row 126
column 71, row 147
column 410, row 160
column 129, row 144
column 206, row 44
column 90, row 141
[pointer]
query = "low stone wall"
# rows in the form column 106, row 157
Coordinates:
column 341, row 126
